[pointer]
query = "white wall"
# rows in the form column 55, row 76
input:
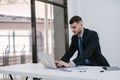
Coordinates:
column 102, row 16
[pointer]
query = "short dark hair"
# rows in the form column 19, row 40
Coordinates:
column 76, row 19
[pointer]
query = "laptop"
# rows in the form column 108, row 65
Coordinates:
column 47, row 60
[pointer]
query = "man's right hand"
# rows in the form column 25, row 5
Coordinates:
column 62, row 63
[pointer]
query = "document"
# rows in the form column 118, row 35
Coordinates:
column 84, row 69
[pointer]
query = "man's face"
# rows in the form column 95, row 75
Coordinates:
column 77, row 28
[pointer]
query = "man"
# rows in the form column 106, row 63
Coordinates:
column 86, row 42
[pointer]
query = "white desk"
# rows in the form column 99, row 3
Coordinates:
column 38, row 71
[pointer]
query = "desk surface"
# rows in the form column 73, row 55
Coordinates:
column 37, row 70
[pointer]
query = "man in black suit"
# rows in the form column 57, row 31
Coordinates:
column 86, row 42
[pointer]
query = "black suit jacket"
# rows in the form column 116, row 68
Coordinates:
column 91, row 47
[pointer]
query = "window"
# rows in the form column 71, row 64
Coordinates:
column 15, row 42
column 15, row 28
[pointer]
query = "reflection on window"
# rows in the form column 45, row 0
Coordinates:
column 15, row 41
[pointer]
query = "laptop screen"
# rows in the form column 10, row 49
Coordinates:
column 47, row 60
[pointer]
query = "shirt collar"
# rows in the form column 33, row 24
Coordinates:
column 81, row 35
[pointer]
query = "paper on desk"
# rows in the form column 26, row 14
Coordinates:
column 85, row 69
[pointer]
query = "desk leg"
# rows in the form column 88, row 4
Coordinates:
column 37, row 78
column 27, row 78
column 11, row 77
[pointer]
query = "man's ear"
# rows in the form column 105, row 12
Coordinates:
column 81, row 23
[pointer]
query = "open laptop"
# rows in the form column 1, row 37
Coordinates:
column 47, row 60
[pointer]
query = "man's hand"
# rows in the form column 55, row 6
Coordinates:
column 62, row 63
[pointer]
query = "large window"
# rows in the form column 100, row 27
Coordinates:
column 15, row 28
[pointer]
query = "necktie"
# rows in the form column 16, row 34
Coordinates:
column 80, row 45
column 81, row 49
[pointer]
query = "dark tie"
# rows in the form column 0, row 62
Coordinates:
column 81, row 49
column 80, row 45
